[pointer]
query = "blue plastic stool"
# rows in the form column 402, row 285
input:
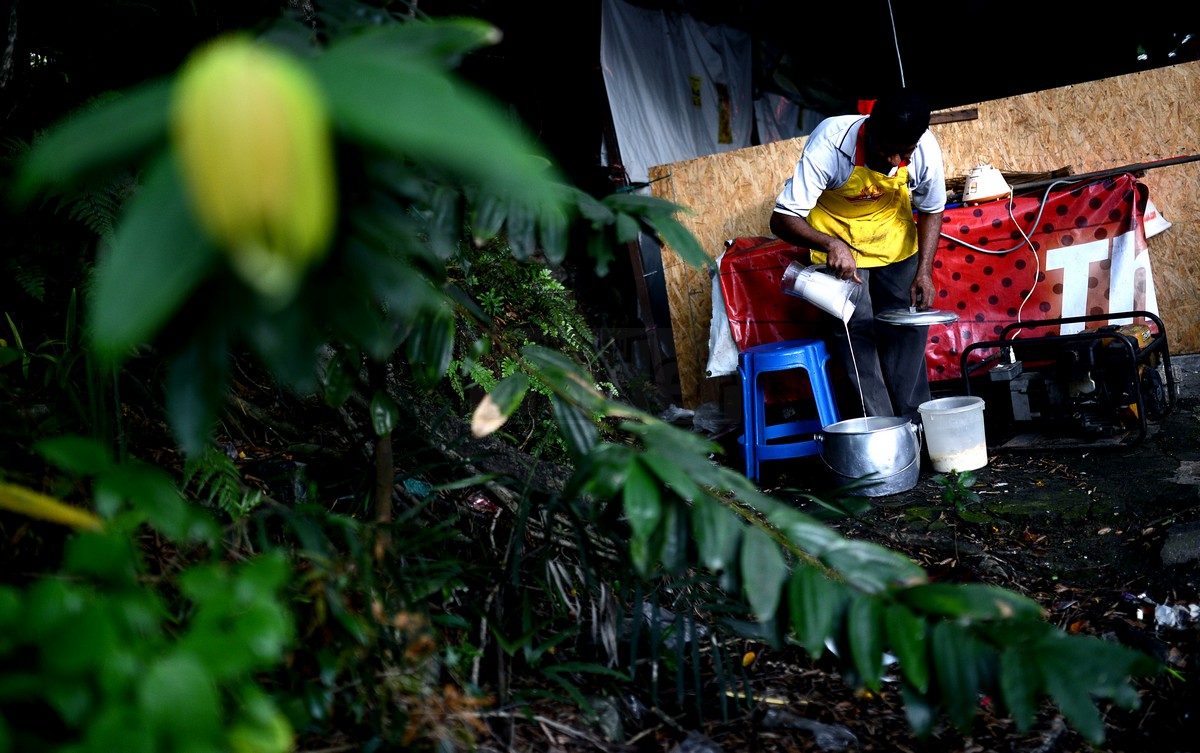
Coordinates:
column 756, row 440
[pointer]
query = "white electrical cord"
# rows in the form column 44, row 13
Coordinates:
column 896, row 41
column 1037, row 268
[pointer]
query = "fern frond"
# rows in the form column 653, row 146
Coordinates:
column 97, row 205
column 213, row 477
column 30, row 276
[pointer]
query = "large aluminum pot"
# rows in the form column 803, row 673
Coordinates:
column 886, row 450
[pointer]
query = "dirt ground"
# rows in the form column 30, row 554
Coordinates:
column 1082, row 531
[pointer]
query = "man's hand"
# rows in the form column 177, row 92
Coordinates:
column 922, row 292
column 841, row 261
column 798, row 232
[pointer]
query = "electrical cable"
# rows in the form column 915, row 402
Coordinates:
column 896, row 41
column 1037, row 271
column 1037, row 260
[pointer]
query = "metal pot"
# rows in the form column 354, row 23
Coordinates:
column 883, row 450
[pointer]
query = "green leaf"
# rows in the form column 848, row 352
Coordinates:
column 600, row 249
column 443, row 39
column 521, row 231
column 553, row 228
column 682, row 242
column 1100, row 668
column 286, row 342
column 592, row 209
column 1020, row 685
column 718, row 533
column 152, row 494
column 80, row 455
column 10, row 609
column 340, row 377
column 82, row 645
column 643, row 505
column 642, row 204
column 430, row 348
column 816, row 604
column 120, row 726
column 265, row 574
column 413, row 109
column 158, row 257
column 102, row 135
column 565, row 378
column 179, row 700
column 675, row 477
column 763, row 572
column 196, row 384
column 103, row 555
column 871, row 567
column 603, row 471
column 578, row 429
column 1076, row 704
column 384, row 413
column 906, row 636
column 806, row 532
column 588, row 668
column 261, row 727
column 957, row 657
column 920, row 713
column 627, row 227
column 970, row 600
column 496, row 407
column 864, row 629
column 509, row 392
column 675, row 539
column 487, row 214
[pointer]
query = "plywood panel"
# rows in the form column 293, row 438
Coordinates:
column 1099, row 125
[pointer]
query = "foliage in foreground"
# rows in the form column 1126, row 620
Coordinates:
column 380, row 295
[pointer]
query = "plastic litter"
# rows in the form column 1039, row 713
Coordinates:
column 827, row 736
column 1175, row 617
column 698, row 743
column 676, row 415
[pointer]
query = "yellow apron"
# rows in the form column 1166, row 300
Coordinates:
column 872, row 212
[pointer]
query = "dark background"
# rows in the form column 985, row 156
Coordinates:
column 827, row 55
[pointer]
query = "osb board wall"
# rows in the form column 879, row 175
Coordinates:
column 1090, row 127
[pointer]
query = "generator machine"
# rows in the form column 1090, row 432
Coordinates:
column 1101, row 384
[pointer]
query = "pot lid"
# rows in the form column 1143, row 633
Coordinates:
column 914, row 318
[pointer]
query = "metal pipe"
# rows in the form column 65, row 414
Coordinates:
column 1142, row 166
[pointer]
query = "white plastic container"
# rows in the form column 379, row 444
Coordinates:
column 821, row 289
column 954, row 433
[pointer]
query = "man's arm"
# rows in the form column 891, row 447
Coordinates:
column 929, row 228
column 797, row 231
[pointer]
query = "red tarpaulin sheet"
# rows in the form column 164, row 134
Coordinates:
column 1086, row 254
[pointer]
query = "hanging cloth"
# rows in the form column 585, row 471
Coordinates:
column 871, row 211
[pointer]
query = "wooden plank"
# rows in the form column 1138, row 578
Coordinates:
column 954, row 116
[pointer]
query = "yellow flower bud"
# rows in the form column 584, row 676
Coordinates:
column 254, row 145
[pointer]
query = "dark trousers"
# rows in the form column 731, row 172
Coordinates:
column 890, row 358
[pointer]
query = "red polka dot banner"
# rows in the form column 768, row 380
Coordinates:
column 1076, row 250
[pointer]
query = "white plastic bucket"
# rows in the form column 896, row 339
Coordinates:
column 828, row 293
column 954, row 433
